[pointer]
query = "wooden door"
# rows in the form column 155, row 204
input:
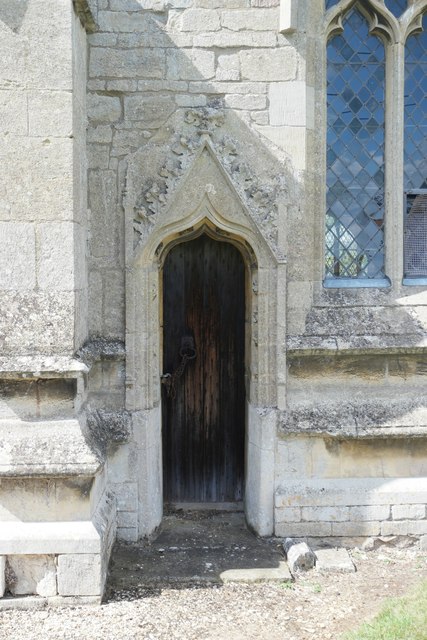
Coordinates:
column 204, row 415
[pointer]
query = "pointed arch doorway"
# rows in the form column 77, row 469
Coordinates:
column 203, row 404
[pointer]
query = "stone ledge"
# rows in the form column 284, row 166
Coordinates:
column 43, row 538
column 29, row 367
column 352, row 492
column 45, row 448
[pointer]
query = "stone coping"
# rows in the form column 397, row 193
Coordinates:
column 359, row 345
column 45, row 448
column 32, row 538
column 41, row 367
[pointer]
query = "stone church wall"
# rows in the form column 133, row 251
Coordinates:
column 121, row 121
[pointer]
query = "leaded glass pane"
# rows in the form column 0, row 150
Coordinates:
column 415, row 170
column 355, row 174
column 397, row 7
column 330, row 3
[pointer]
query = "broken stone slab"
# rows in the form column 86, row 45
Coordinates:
column 299, row 555
column 334, row 560
column 259, row 574
column 2, row 575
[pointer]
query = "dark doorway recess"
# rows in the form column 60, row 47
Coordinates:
column 204, row 416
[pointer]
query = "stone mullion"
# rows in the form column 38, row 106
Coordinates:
column 394, row 143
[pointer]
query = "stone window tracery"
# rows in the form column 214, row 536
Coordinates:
column 367, row 180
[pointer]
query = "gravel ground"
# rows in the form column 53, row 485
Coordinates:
column 314, row 606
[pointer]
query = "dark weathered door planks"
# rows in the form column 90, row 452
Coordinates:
column 204, row 424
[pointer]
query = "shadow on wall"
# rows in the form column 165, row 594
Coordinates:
column 12, row 13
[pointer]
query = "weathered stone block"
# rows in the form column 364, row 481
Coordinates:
column 13, row 112
column 264, row 64
column 186, row 100
column 250, row 20
column 193, row 64
column 57, row 248
column 127, row 519
column 2, row 575
column 408, row 511
column 370, row 512
column 127, row 63
column 17, row 255
column 355, row 529
column 38, row 174
column 292, row 104
column 49, row 65
column 32, row 574
column 151, row 110
column 200, row 20
column 260, row 117
column 137, row 5
column 229, row 40
column 303, row 529
column 102, row 134
column 122, row 21
column 102, row 199
column 103, row 108
column 50, row 113
column 228, row 67
column 249, row 102
column 288, row 514
column 325, row 514
column 127, row 535
column 240, row 88
column 127, row 496
column 79, row 575
column 221, row 4
column 98, row 156
column 417, row 527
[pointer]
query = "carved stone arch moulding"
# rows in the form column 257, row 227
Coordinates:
column 412, row 19
column 205, row 198
column 381, row 21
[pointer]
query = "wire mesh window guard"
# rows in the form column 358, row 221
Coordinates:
column 415, row 234
column 415, row 160
column 355, row 153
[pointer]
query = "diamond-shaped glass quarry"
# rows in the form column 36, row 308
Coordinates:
column 397, row 7
column 355, row 160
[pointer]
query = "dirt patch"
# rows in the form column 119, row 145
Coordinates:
column 320, row 606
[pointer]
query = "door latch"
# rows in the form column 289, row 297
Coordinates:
column 187, row 352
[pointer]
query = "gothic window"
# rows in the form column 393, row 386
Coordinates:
column 355, row 152
column 363, row 53
column 415, row 158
